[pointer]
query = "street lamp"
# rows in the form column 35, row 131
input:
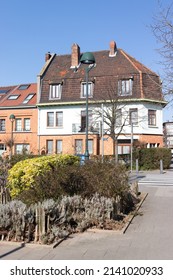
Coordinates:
column 12, row 119
column 89, row 59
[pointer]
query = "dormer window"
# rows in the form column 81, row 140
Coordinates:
column 125, row 87
column 90, row 89
column 55, row 91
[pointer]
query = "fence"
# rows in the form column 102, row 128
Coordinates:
column 4, row 192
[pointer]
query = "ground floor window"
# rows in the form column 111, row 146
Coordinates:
column 49, row 147
column 78, row 146
column 124, row 150
column 59, row 146
column 3, row 148
column 22, row 148
column 90, row 146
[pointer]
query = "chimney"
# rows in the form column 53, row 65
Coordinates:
column 75, row 56
column 113, row 49
column 47, row 56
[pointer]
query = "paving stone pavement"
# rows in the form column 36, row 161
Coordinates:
column 149, row 236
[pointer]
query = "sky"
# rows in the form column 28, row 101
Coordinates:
column 29, row 29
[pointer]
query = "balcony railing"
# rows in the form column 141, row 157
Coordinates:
column 77, row 128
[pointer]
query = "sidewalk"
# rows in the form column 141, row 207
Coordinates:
column 149, row 236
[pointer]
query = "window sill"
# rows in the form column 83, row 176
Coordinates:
column 153, row 126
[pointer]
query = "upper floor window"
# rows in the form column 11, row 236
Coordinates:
column 125, row 87
column 83, row 120
column 27, row 124
column 18, row 124
column 118, row 117
column 152, row 117
column 59, row 119
column 2, row 124
column 55, row 91
column 133, row 116
column 84, row 89
column 54, row 119
column 50, row 119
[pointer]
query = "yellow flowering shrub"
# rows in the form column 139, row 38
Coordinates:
column 23, row 174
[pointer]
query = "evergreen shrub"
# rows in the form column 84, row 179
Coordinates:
column 149, row 159
column 23, row 175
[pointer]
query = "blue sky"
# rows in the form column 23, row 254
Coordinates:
column 29, row 29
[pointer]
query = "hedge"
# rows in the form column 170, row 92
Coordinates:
column 150, row 158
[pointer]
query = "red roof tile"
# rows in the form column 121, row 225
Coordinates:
column 8, row 99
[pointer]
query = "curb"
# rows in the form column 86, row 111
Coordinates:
column 131, row 216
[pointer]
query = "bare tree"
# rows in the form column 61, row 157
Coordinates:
column 162, row 29
column 114, row 116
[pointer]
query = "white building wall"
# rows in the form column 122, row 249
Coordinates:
column 72, row 115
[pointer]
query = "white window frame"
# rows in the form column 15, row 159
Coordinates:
column 125, row 87
column 21, row 148
column 28, row 98
column 59, row 119
column 48, row 122
column 55, row 91
column 90, row 89
column 48, row 147
column 133, row 116
column 59, row 146
column 27, row 124
column 152, row 117
column 2, row 125
column 78, row 146
column 18, row 124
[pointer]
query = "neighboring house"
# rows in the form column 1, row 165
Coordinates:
column 168, row 134
column 61, row 99
column 20, row 103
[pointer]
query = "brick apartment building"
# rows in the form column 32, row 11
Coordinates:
column 18, row 119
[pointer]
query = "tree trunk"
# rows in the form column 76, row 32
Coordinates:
column 115, row 149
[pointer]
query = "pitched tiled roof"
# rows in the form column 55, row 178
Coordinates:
column 17, row 96
column 108, row 70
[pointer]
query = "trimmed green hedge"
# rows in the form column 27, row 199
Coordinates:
column 23, row 174
column 150, row 158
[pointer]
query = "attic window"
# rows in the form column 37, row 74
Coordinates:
column 90, row 89
column 55, row 91
column 28, row 98
column 13, row 97
column 125, row 87
column 22, row 87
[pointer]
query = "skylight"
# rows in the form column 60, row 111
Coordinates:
column 22, row 87
column 3, row 91
column 13, row 97
column 28, row 98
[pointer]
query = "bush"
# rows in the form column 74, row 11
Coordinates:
column 106, row 179
column 23, row 175
column 150, row 158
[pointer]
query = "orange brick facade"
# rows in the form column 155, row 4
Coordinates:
column 20, row 137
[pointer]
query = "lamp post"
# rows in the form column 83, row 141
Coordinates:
column 12, row 119
column 88, row 59
column 131, row 152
